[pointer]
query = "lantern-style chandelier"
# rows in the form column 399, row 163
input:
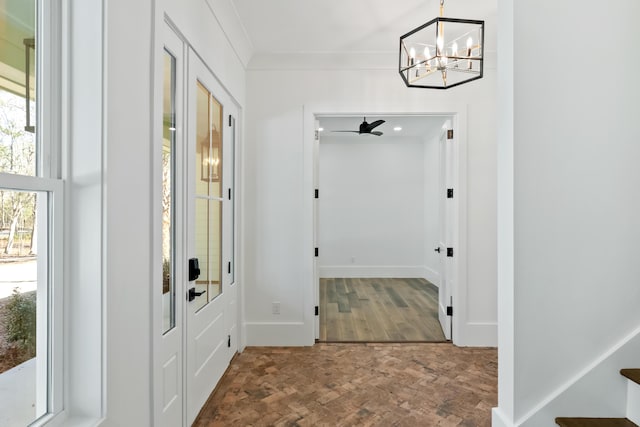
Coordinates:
column 443, row 53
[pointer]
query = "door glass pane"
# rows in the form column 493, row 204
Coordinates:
column 202, row 251
column 18, row 87
column 208, row 210
column 232, row 164
column 215, row 248
column 209, row 143
column 203, row 124
column 168, row 173
column 23, row 307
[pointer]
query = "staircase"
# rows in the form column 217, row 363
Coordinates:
column 633, row 407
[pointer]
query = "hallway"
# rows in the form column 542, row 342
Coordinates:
column 356, row 384
column 379, row 310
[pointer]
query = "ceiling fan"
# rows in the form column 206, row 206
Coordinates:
column 366, row 128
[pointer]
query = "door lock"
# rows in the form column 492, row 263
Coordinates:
column 193, row 294
column 194, row 269
column 437, row 249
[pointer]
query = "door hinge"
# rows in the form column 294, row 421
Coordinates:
column 316, row 251
column 449, row 310
column 316, row 194
column 450, row 134
column 229, row 267
column 316, row 310
column 449, row 252
column 229, row 341
column 449, row 193
column 317, row 135
column 229, row 195
column 230, row 120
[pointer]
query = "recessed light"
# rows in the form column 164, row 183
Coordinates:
column 397, row 128
column 320, row 129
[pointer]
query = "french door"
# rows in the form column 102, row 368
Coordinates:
column 197, row 332
column 211, row 313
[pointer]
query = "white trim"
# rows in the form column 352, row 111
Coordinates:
column 633, row 401
column 362, row 61
column 463, row 331
column 289, row 334
column 29, row 183
column 480, row 334
column 387, row 271
column 432, row 276
column 498, row 419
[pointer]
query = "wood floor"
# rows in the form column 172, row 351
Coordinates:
column 379, row 310
column 356, row 385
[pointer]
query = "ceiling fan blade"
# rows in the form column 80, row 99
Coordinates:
column 377, row 133
column 374, row 125
column 352, row 131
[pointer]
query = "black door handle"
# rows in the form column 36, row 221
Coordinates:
column 437, row 249
column 193, row 294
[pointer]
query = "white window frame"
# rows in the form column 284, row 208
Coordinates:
column 47, row 181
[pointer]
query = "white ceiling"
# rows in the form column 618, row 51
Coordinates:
column 339, row 26
column 412, row 126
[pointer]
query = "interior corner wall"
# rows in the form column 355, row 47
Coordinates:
column 577, row 206
column 372, row 210
column 276, row 195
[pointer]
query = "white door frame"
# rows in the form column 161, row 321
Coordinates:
column 458, row 116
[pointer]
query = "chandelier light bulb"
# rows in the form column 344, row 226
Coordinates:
column 454, row 49
column 427, row 56
column 440, row 43
column 469, row 44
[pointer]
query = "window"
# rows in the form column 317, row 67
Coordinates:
column 30, row 220
column 168, row 180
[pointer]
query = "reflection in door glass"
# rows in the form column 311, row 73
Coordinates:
column 23, row 307
column 168, row 168
column 209, row 144
column 208, row 196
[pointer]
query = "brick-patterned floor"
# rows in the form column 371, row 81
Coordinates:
column 356, row 385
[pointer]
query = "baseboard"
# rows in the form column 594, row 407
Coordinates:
column 498, row 419
column 373, row 271
column 432, row 276
column 272, row 334
column 478, row 334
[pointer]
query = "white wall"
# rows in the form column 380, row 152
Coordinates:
column 576, row 204
column 372, row 218
column 279, row 103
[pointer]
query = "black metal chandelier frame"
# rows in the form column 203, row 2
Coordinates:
column 408, row 65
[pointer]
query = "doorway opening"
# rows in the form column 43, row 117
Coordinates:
column 383, row 224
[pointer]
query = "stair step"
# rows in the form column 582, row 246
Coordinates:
column 595, row 422
column 632, row 374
